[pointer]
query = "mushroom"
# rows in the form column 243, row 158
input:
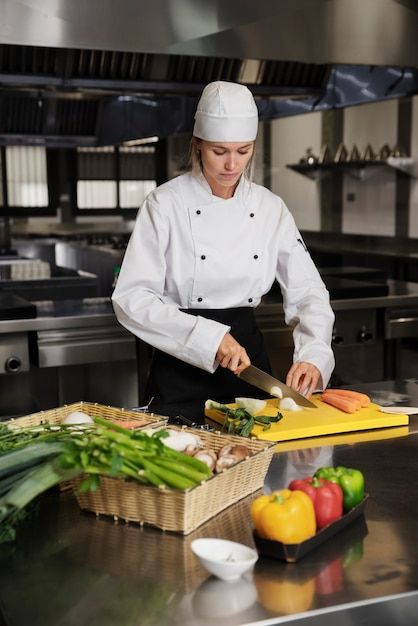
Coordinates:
column 238, row 450
column 208, row 456
column 225, row 461
column 194, row 446
column 231, row 455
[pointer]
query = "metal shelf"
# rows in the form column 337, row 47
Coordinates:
column 357, row 169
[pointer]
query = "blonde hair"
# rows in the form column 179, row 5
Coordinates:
column 196, row 165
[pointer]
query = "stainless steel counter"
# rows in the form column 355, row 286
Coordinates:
column 52, row 315
column 72, row 569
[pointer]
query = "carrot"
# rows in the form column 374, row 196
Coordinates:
column 364, row 399
column 352, row 399
column 131, row 424
column 344, row 404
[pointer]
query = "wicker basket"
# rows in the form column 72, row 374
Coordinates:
column 55, row 416
column 182, row 511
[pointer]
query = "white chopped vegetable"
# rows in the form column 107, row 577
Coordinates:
column 289, row 404
column 77, row 417
column 276, row 391
column 179, row 440
column 252, row 405
column 151, row 430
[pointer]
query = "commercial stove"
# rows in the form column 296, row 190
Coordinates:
column 371, row 314
column 22, row 283
column 343, row 287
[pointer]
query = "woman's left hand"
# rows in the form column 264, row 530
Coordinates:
column 304, row 377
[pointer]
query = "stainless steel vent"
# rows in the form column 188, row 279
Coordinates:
column 139, row 75
column 66, row 96
column 27, row 65
column 37, row 114
column 76, row 117
column 21, row 115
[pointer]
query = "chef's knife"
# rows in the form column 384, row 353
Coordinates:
column 264, row 381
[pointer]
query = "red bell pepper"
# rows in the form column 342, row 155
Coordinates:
column 330, row 579
column 326, row 496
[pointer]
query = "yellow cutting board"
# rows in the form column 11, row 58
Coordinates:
column 325, row 420
column 360, row 436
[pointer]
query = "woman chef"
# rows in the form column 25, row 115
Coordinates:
column 206, row 247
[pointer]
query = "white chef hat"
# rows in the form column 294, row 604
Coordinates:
column 226, row 112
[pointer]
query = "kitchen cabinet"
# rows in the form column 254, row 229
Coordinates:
column 364, row 345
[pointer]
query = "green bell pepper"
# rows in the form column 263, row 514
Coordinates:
column 350, row 480
column 353, row 554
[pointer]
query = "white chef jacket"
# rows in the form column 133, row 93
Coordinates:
column 191, row 249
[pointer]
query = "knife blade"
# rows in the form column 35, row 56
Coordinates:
column 264, row 381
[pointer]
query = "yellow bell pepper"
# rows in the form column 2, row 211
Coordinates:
column 286, row 516
column 284, row 596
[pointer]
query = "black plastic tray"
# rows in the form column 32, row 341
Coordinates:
column 295, row 551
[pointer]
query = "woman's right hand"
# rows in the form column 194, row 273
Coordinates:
column 232, row 355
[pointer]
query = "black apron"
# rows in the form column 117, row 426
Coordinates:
column 182, row 389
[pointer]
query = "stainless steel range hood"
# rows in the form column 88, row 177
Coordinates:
column 90, row 73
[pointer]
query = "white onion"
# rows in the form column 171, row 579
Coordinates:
column 276, row 391
column 289, row 404
column 77, row 417
column 252, row 405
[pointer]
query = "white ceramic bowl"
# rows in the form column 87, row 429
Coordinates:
column 215, row 598
column 225, row 559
